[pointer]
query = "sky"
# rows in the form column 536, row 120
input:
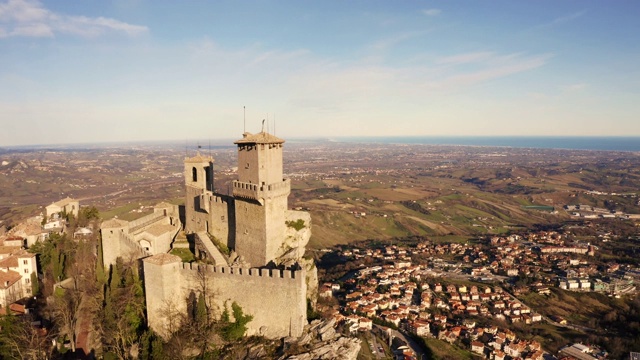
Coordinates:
column 78, row 71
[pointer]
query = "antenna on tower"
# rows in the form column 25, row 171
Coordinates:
column 263, row 125
column 244, row 118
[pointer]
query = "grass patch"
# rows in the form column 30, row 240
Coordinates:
column 185, row 254
column 444, row 350
column 222, row 247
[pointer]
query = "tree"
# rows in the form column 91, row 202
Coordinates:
column 86, row 214
column 235, row 330
column 35, row 284
column 123, row 311
column 20, row 340
column 66, row 312
column 201, row 310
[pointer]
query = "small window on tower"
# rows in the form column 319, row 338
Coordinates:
column 194, row 174
column 246, row 167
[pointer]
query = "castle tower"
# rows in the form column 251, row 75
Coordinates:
column 261, row 198
column 198, row 178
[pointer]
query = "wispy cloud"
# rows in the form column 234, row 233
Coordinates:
column 29, row 18
column 432, row 12
column 473, row 57
column 348, row 86
column 563, row 19
column 497, row 67
column 390, row 41
column 574, row 87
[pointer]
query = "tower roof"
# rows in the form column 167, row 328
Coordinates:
column 259, row 138
column 113, row 223
column 199, row 158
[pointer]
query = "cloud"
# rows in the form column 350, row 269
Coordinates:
column 29, row 18
column 473, row 57
column 574, row 87
column 344, row 88
column 497, row 67
column 393, row 40
column 563, row 19
column 431, row 12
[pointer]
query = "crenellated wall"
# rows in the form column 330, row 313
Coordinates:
column 260, row 192
column 275, row 298
column 118, row 243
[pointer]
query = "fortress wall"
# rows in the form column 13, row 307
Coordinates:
column 275, row 226
column 195, row 220
column 251, row 232
column 219, row 208
column 111, row 245
column 116, row 243
column 129, row 248
column 146, row 219
column 163, row 296
column 275, row 298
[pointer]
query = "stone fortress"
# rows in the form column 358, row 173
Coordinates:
column 249, row 243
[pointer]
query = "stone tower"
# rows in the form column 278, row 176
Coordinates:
column 261, row 198
column 198, row 178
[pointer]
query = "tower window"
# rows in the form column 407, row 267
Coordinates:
column 194, row 174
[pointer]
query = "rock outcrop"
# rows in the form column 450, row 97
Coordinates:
column 321, row 341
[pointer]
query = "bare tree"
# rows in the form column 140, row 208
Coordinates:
column 22, row 340
column 66, row 311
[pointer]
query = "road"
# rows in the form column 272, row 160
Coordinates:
column 417, row 348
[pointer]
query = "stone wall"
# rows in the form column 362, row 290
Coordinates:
column 120, row 244
column 275, row 298
column 111, row 245
column 222, row 218
column 196, row 218
column 251, row 232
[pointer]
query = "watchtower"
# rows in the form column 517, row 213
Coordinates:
column 198, row 178
column 261, row 198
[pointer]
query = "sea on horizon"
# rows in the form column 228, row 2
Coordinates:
column 611, row 143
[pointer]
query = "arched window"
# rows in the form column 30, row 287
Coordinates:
column 194, row 174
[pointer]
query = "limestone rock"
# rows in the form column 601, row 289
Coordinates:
column 322, row 342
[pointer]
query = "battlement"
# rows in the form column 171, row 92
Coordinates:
column 212, row 197
column 258, row 192
column 144, row 221
column 249, row 272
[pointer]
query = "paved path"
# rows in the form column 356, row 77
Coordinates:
column 218, row 258
column 417, row 348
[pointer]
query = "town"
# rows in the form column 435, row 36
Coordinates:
column 474, row 296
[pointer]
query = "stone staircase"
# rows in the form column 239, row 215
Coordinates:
column 212, row 249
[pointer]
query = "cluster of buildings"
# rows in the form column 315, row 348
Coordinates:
column 592, row 212
column 18, row 267
column 435, row 290
column 405, row 296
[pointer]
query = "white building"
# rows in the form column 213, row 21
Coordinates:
column 15, row 276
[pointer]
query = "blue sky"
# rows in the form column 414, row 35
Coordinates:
column 127, row 70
